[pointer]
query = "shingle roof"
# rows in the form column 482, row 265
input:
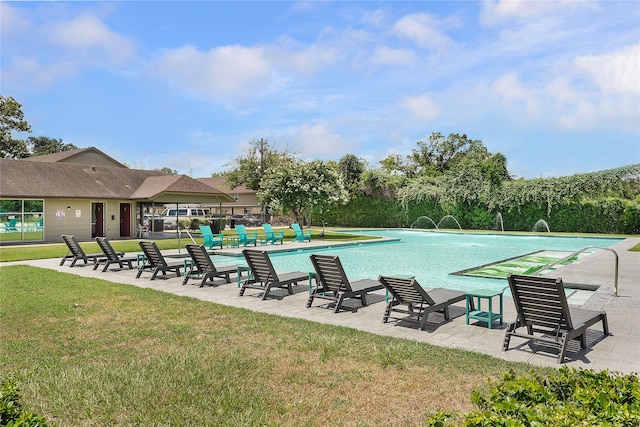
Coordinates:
column 63, row 156
column 70, row 180
column 221, row 184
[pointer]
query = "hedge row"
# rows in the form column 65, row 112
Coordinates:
column 608, row 215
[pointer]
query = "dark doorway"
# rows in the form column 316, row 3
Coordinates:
column 98, row 220
column 125, row 220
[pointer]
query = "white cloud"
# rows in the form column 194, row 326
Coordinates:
column 88, row 33
column 421, row 107
column 423, row 29
column 12, row 20
column 220, row 73
column 388, row 56
column 319, row 141
column 509, row 11
column 614, row 73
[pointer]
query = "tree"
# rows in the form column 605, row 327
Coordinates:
column 351, row 168
column 438, row 153
column 393, row 164
column 254, row 164
column 302, row 188
column 167, row 170
column 12, row 120
column 39, row 145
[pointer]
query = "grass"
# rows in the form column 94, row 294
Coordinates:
column 26, row 252
column 88, row 352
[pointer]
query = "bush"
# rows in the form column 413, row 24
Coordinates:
column 568, row 397
column 11, row 411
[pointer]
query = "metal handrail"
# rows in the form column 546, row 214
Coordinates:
column 615, row 292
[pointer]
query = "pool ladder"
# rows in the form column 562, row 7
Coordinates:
column 615, row 286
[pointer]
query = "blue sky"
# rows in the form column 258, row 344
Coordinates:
column 553, row 85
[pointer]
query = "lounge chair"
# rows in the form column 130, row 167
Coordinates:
column 334, row 284
column 301, row 236
column 204, row 268
column 11, row 225
column 111, row 256
column 210, row 239
column 154, row 261
column 263, row 276
column 76, row 253
column 416, row 301
column 245, row 238
column 271, row 236
column 542, row 309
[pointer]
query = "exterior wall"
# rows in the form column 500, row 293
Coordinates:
column 92, row 158
column 61, row 217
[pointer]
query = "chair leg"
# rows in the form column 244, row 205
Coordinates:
column 563, row 348
column 310, row 300
column 511, row 327
column 605, row 324
column 339, row 303
column 387, row 312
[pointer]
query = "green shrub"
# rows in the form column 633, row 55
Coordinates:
column 11, row 412
column 568, row 397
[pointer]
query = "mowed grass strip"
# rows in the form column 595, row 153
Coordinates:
column 88, row 352
column 58, row 250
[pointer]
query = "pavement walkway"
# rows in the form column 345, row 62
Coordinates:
column 619, row 351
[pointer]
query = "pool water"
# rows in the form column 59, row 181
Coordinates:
column 432, row 256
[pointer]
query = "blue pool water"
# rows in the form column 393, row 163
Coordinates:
column 432, row 256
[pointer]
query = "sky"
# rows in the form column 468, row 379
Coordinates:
column 552, row 85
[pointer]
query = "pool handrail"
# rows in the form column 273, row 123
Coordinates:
column 615, row 286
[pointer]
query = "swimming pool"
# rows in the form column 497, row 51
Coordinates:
column 433, row 256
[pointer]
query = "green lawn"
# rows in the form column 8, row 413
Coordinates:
column 87, row 352
column 24, row 252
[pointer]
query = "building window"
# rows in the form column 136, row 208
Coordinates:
column 21, row 220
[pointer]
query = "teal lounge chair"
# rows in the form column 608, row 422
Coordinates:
column 210, row 239
column 301, row 236
column 272, row 236
column 245, row 238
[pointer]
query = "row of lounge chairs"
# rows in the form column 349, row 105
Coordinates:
column 543, row 314
column 246, row 238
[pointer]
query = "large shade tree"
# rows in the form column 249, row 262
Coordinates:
column 302, row 188
column 12, row 120
column 40, row 145
column 250, row 167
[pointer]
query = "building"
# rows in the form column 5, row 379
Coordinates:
column 244, row 199
column 86, row 193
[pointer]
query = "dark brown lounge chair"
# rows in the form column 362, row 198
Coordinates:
column 111, row 256
column 204, row 268
column 543, row 311
column 334, row 284
column 263, row 276
column 76, row 253
column 416, row 301
column 155, row 261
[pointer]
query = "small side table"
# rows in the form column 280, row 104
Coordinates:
column 478, row 314
column 243, row 268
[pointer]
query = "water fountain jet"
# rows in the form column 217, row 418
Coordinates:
column 422, row 219
column 541, row 222
column 449, row 216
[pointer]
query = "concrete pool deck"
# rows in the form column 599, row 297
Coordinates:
column 618, row 352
